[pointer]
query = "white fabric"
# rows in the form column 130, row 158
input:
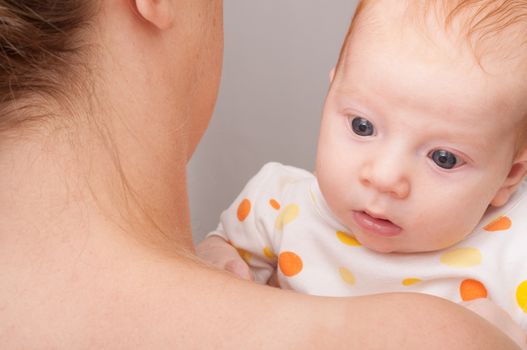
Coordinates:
column 332, row 265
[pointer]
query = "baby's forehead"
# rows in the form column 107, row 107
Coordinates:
column 437, row 34
column 489, row 29
column 486, row 39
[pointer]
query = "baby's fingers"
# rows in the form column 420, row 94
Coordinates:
column 240, row 269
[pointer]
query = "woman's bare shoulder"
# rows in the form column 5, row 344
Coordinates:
column 203, row 308
column 171, row 303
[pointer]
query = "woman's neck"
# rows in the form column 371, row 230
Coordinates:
column 121, row 163
column 66, row 185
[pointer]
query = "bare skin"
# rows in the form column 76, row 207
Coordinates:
column 81, row 266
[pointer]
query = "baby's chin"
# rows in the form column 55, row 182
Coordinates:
column 401, row 248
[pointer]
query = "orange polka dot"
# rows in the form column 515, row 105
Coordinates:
column 244, row 209
column 500, row 224
column 471, row 289
column 290, row 264
column 274, row 204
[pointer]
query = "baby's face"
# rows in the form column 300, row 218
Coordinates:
column 416, row 139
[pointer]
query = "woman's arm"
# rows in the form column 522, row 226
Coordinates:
column 211, row 309
column 222, row 255
column 149, row 301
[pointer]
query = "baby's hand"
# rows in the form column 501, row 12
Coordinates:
column 499, row 318
column 224, row 256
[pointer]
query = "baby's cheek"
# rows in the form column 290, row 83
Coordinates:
column 438, row 229
column 456, row 231
column 332, row 188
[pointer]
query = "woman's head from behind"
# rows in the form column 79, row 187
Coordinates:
column 117, row 91
column 41, row 49
column 50, row 53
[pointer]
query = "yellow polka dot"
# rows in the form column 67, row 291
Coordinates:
column 313, row 197
column 274, row 204
column 246, row 256
column 501, row 223
column 269, row 253
column 521, row 296
column 471, row 289
column 244, row 209
column 346, row 275
column 462, row 257
column 287, row 215
column 290, row 264
column 348, row 239
column 410, row 281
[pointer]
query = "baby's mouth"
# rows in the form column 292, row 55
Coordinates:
column 376, row 224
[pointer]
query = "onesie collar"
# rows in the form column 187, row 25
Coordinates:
column 322, row 208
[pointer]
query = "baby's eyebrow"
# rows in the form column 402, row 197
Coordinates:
column 354, row 99
column 379, row 99
column 464, row 132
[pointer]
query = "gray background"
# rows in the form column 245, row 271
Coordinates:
column 278, row 54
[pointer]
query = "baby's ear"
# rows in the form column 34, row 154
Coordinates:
column 159, row 13
column 513, row 180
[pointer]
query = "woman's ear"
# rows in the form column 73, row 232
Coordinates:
column 515, row 177
column 159, row 13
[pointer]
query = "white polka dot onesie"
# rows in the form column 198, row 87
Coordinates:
column 281, row 222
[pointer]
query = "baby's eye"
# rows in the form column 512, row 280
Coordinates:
column 445, row 159
column 362, row 127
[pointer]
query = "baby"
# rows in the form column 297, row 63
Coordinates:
column 419, row 182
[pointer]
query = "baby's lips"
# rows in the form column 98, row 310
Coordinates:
column 377, row 225
column 380, row 217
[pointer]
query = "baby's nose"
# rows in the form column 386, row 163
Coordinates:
column 386, row 174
